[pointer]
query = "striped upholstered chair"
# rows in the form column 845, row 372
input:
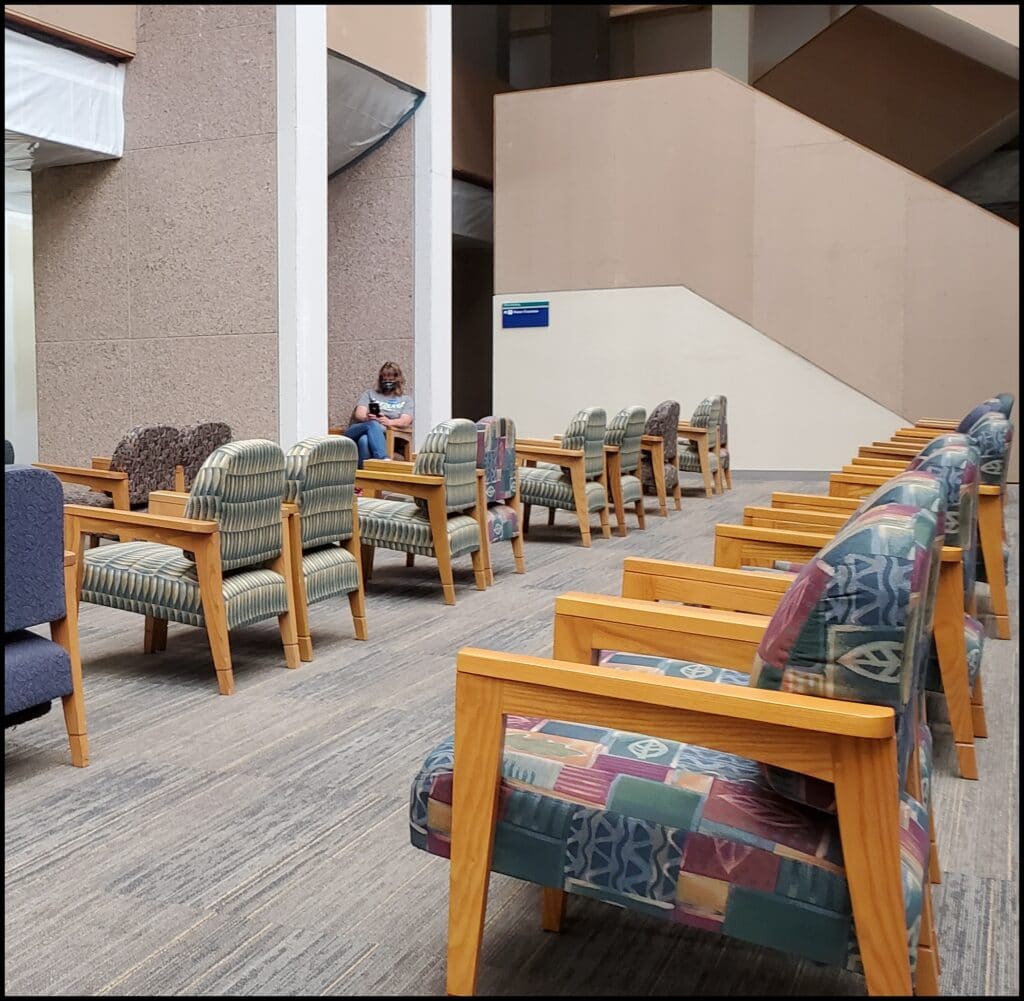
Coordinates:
column 442, row 519
column 622, row 458
column 806, row 836
column 323, row 530
column 567, row 474
column 223, row 565
column 699, row 442
column 496, row 456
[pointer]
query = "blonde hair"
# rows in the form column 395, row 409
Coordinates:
column 390, row 366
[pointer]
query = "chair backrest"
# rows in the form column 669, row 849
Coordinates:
column 851, row 626
column 148, row 454
column 496, row 456
column 709, row 414
column 450, row 451
column 8, row 453
column 321, row 477
column 586, row 432
column 197, row 441
column 954, row 460
column 241, row 486
column 993, row 436
column 626, row 429
column 992, row 405
column 1007, row 400
column 33, row 548
column 664, row 420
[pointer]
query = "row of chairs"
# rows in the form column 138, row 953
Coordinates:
column 753, row 759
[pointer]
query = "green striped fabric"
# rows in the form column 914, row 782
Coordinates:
column 153, row 579
column 626, row 429
column 709, row 414
column 450, row 451
column 329, row 571
column 689, row 462
column 241, row 486
column 550, row 487
column 405, row 527
column 321, row 475
column 586, row 432
column 632, row 489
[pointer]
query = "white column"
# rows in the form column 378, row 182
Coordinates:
column 432, row 379
column 731, row 25
column 302, row 220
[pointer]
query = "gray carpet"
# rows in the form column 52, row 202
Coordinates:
column 258, row 844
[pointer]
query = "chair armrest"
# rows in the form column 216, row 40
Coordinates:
column 815, row 502
column 82, row 474
column 138, row 520
column 412, row 485
column 100, row 462
column 689, row 431
column 588, row 622
column 69, row 558
column 793, row 519
column 695, row 584
column 388, row 465
column 740, row 545
column 546, row 450
column 651, row 440
column 167, row 502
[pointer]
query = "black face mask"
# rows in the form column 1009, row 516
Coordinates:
column 388, row 387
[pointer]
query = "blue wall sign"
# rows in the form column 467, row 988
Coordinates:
column 524, row 314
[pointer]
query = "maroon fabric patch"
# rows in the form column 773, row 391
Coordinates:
column 731, row 862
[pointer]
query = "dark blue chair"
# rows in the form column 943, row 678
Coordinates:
column 39, row 588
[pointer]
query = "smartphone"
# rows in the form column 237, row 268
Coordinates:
column 374, row 408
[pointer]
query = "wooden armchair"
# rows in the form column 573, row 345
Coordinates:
column 622, row 443
column 567, row 473
column 223, row 565
column 701, row 444
column 444, row 518
column 659, row 449
column 658, row 777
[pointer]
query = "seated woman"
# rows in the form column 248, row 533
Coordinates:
column 382, row 407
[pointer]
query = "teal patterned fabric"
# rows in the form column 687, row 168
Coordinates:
column 450, row 451
column 586, row 432
column 700, row 836
column 404, row 526
column 548, row 486
column 158, row 580
column 709, row 414
column 241, row 486
column 993, row 435
column 626, row 429
column 1006, row 401
column 329, row 571
column 321, row 476
column 496, row 456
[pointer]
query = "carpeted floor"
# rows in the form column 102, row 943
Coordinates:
column 258, row 844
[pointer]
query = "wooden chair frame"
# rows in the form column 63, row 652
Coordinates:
column 530, row 451
column 653, row 445
column 700, row 435
column 384, row 476
column 202, row 538
column 850, row 744
column 613, row 477
column 64, row 632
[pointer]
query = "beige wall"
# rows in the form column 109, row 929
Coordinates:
column 107, row 27
column 999, row 19
column 784, row 413
column 370, row 245
column 897, row 92
column 156, row 275
column 391, row 38
column 896, row 287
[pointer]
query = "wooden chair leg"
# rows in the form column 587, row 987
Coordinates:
column 641, row 515
column 65, row 633
column 934, row 866
column 926, row 977
column 990, row 534
column 658, row 473
column 357, row 605
column 677, row 494
column 551, row 516
column 579, row 497
column 410, row 559
column 211, row 591
column 952, row 653
column 620, row 507
column 728, row 478
column 442, row 545
column 867, row 800
column 517, row 553
column 526, row 518
column 288, row 619
column 978, row 722
column 606, row 528
column 719, row 480
column 366, row 559
column 155, row 640
column 479, row 733
column 480, row 569
column 553, row 909
column 705, row 464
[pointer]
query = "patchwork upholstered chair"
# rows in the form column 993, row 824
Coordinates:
column 622, row 461
column 496, row 456
column 567, row 474
column 699, row 442
column 324, row 531
column 224, row 565
column 659, row 448
column 442, row 520
column 39, row 588
column 775, row 808
column 196, row 442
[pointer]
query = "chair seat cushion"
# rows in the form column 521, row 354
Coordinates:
column 36, row 671
column 647, row 477
column 548, row 486
column 329, row 571
column 632, row 489
column 502, row 523
column 404, row 526
column 689, row 461
column 75, row 493
column 158, row 580
column 672, row 830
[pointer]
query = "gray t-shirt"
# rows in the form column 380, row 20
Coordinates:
column 390, row 406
